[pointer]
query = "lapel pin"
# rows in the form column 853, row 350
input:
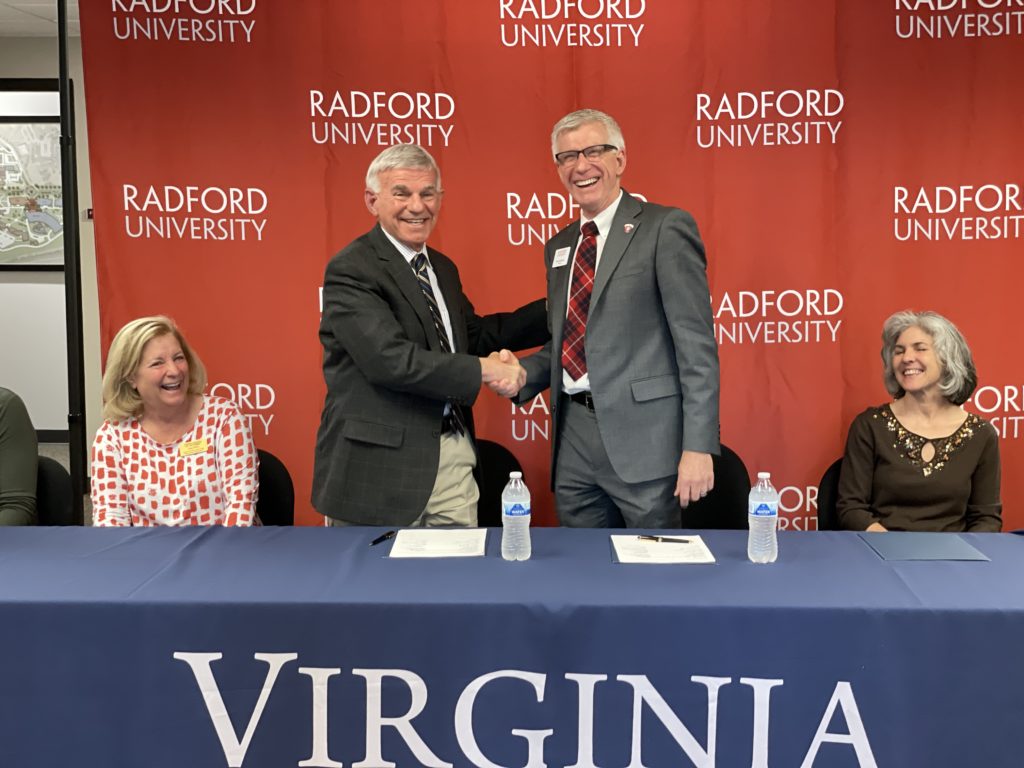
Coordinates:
column 628, row 228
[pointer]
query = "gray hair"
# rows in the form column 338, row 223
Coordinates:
column 959, row 377
column 582, row 117
column 400, row 156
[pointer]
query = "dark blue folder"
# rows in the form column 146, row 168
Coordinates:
column 907, row 545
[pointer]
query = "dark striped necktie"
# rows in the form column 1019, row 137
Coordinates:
column 454, row 417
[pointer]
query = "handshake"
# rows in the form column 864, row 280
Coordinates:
column 502, row 373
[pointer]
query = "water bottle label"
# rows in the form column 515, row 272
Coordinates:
column 515, row 510
column 764, row 510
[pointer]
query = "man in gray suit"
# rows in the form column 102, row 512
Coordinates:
column 632, row 362
column 403, row 362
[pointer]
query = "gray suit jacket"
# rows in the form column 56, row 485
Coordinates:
column 387, row 379
column 651, row 351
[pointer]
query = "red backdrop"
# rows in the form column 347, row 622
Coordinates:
column 843, row 159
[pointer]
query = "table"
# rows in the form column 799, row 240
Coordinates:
column 304, row 646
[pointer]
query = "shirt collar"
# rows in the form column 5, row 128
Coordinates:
column 407, row 253
column 603, row 220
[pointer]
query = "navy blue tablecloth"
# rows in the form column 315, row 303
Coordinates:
column 277, row 647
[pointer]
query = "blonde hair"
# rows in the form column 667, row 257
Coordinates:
column 120, row 399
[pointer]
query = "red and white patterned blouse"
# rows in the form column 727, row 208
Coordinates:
column 206, row 477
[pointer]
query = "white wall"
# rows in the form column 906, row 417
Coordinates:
column 33, row 347
column 37, row 333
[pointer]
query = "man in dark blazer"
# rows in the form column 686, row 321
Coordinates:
column 404, row 360
column 632, row 363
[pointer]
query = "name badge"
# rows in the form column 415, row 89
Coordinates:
column 192, row 447
column 561, row 257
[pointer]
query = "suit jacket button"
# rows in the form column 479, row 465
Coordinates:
column 436, row 433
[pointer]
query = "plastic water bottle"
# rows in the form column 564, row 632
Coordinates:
column 763, row 515
column 515, row 519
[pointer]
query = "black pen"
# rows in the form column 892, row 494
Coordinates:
column 669, row 539
column 383, row 537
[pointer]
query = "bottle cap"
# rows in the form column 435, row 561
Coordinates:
column 515, row 475
column 764, row 475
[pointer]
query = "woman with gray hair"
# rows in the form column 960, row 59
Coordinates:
column 167, row 454
column 922, row 463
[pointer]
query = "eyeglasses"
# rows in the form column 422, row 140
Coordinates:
column 570, row 156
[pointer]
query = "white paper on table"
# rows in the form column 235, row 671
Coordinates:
column 439, row 542
column 630, row 549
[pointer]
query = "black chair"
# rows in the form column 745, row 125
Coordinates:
column 828, row 495
column 53, row 493
column 726, row 505
column 495, row 462
column 276, row 503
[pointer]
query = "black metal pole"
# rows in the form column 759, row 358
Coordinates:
column 72, row 273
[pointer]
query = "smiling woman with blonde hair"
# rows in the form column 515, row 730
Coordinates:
column 921, row 462
column 167, row 454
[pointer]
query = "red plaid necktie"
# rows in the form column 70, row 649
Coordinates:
column 574, row 356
